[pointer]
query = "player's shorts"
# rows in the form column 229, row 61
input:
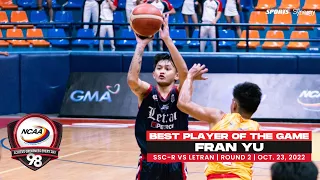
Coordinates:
column 160, row 171
column 223, row 177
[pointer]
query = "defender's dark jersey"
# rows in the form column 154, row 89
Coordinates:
column 156, row 113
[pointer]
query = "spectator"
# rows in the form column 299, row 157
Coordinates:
column 294, row 171
column 4, row 53
column 231, row 11
column 106, row 14
column 188, row 9
column 211, row 14
column 91, row 9
column 49, row 3
column 130, row 5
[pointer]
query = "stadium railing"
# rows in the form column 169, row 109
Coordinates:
column 247, row 26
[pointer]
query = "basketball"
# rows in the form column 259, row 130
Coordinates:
column 146, row 20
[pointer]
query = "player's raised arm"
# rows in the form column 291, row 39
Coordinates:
column 138, row 87
column 175, row 54
column 185, row 104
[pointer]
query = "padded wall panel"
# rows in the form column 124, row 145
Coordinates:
column 10, row 84
column 309, row 64
column 95, row 62
column 43, row 82
column 215, row 63
column 268, row 64
column 146, row 66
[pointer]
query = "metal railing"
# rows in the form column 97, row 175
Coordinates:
column 76, row 25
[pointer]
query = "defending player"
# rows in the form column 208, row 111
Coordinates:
column 246, row 99
column 158, row 104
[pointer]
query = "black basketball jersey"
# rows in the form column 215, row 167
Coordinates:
column 156, row 114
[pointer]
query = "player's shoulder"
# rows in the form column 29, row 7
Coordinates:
column 253, row 125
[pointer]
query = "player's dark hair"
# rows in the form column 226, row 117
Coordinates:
column 163, row 56
column 294, row 171
column 248, row 96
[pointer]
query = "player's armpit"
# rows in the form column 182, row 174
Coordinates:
column 139, row 88
column 201, row 113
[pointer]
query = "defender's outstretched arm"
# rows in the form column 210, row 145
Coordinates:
column 185, row 104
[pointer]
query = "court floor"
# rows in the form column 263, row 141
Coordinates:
column 107, row 150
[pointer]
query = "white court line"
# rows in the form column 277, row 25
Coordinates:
column 13, row 169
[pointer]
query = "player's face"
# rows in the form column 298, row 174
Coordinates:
column 165, row 73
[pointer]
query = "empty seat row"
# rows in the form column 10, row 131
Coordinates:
column 288, row 4
column 31, row 33
column 35, row 16
column 260, row 17
column 9, row 5
column 275, row 34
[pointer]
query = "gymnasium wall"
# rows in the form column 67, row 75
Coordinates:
column 36, row 82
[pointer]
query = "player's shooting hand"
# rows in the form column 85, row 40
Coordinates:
column 164, row 31
column 197, row 71
column 143, row 40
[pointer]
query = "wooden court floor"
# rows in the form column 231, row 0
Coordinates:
column 108, row 151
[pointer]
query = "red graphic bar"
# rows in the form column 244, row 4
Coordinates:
column 229, row 135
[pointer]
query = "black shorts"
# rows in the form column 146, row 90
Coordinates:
column 160, row 171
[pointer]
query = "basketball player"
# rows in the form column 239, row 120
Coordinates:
column 246, row 99
column 158, row 104
column 294, row 171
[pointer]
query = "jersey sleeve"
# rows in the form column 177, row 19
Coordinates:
column 115, row 3
column 219, row 6
column 168, row 6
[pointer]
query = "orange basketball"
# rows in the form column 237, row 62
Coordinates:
column 146, row 20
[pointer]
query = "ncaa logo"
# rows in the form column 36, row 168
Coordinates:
column 34, row 140
column 35, row 131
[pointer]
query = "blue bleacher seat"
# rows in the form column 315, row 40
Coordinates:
column 226, row 34
column 55, row 5
column 119, row 17
column 26, row 3
column 178, row 33
column 176, row 3
column 172, row 19
column 74, row 4
column 121, row 4
column 223, row 3
column 179, row 19
column 247, row 5
column 84, row 33
column 126, row 33
column 106, row 42
column 58, row 33
column 63, row 16
column 316, row 36
column 39, row 17
column 194, row 43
